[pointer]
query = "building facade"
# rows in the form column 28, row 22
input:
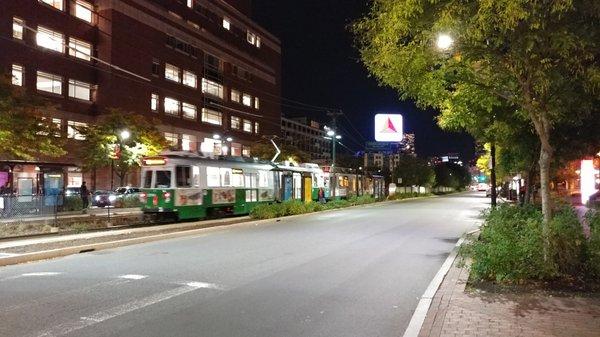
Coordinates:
column 308, row 136
column 203, row 71
column 387, row 155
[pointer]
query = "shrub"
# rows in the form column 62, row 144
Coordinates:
column 510, row 246
column 263, row 211
column 72, row 203
column 129, row 202
column 567, row 242
column 593, row 261
column 294, row 207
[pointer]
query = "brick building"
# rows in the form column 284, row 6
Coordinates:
column 199, row 68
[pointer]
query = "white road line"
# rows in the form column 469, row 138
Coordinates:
column 204, row 285
column 99, row 317
column 42, row 273
column 133, row 277
column 418, row 317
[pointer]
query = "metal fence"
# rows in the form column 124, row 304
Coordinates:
column 34, row 206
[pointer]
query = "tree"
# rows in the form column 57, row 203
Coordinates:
column 452, row 175
column 103, row 139
column 24, row 131
column 414, row 172
column 539, row 57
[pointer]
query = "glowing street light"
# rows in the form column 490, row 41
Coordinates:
column 444, row 41
column 125, row 134
column 216, row 136
column 330, row 133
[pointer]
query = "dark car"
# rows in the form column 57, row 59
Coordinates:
column 101, row 198
column 594, row 200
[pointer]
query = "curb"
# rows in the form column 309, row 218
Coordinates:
column 418, row 318
column 86, row 248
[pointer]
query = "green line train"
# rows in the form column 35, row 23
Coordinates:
column 183, row 185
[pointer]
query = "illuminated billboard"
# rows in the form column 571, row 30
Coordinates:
column 388, row 128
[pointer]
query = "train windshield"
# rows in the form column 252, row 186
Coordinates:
column 163, row 179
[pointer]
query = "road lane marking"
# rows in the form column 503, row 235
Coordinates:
column 37, row 274
column 133, row 277
column 99, row 317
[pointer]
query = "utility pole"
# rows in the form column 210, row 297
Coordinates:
column 334, row 138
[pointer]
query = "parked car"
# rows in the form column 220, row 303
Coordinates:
column 119, row 196
column 72, row 191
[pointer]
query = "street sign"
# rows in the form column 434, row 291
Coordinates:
column 388, row 128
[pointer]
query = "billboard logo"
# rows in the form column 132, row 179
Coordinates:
column 388, row 128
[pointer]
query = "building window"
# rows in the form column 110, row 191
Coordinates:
column 17, row 75
column 80, row 90
column 189, row 110
column 172, row 106
column 226, row 24
column 256, row 103
column 247, row 100
column 190, row 3
column 246, row 151
column 49, row 83
column 172, row 73
column 74, row 130
column 251, row 37
column 257, row 42
column 190, row 79
column 50, row 39
column 155, row 67
column 189, row 143
column 172, row 138
column 80, row 49
column 236, row 123
column 154, row 102
column 58, row 4
column 256, row 127
column 18, row 28
column 247, row 125
column 235, row 96
column 83, row 10
column 212, row 117
column 212, row 88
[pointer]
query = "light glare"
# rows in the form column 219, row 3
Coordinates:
column 444, row 41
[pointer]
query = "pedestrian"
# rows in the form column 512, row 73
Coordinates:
column 321, row 195
column 84, row 195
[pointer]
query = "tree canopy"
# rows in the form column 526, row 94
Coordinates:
column 414, row 172
column 24, row 131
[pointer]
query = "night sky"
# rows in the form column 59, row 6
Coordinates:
column 321, row 67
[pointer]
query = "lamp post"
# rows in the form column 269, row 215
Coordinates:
column 331, row 134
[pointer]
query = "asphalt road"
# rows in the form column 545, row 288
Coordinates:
column 354, row 272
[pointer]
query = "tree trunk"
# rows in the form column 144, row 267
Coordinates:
column 493, row 176
column 529, row 183
column 545, row 160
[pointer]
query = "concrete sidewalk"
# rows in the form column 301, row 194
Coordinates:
column 456, row 312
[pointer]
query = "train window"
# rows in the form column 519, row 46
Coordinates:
column 213, row 177
column 184, row 176
column 237, row 179
column 163, row 179
column 263, row 178
column 250, row 180
column 225, row 177
column 147, row 179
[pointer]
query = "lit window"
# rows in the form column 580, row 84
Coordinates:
column 212, row 88
column 251, row 38
column 58, row 4
column 256, row 103
column 172, row 138
column 74, row 130
column 154, row 102
column 57, row 126
column 80, row 90
column 188, row 142
column 247, row 100
column 257, row 42
column 18, row 28
column 80, row 49
column 190, row 79
column 17, row 75
column 189, row 110
column 83, row 10
column 49, row 83
column 256, row 127
column 246, row 151
column 226, row 24
column 247, row 125
column 190, row 3
column 172, row 106
column 50, row 39
column 235, row 96
column 236, row 122
column 212, row 117
column 213, row 176
column 171, row 72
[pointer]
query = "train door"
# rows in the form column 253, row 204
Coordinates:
column 307, row 188
column 288, row 187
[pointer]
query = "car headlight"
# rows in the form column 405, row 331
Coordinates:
column 97, row 198
column 112, row 198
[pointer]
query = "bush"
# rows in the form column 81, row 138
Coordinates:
column 294, row 207
column 263, row 211
column 593, row 261
column 129, row 202
column 72, row 203
column 510, row 246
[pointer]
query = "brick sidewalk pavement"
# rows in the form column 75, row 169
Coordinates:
column 456, row 313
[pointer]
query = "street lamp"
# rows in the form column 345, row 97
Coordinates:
column 444, row 41
column 123, row 135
